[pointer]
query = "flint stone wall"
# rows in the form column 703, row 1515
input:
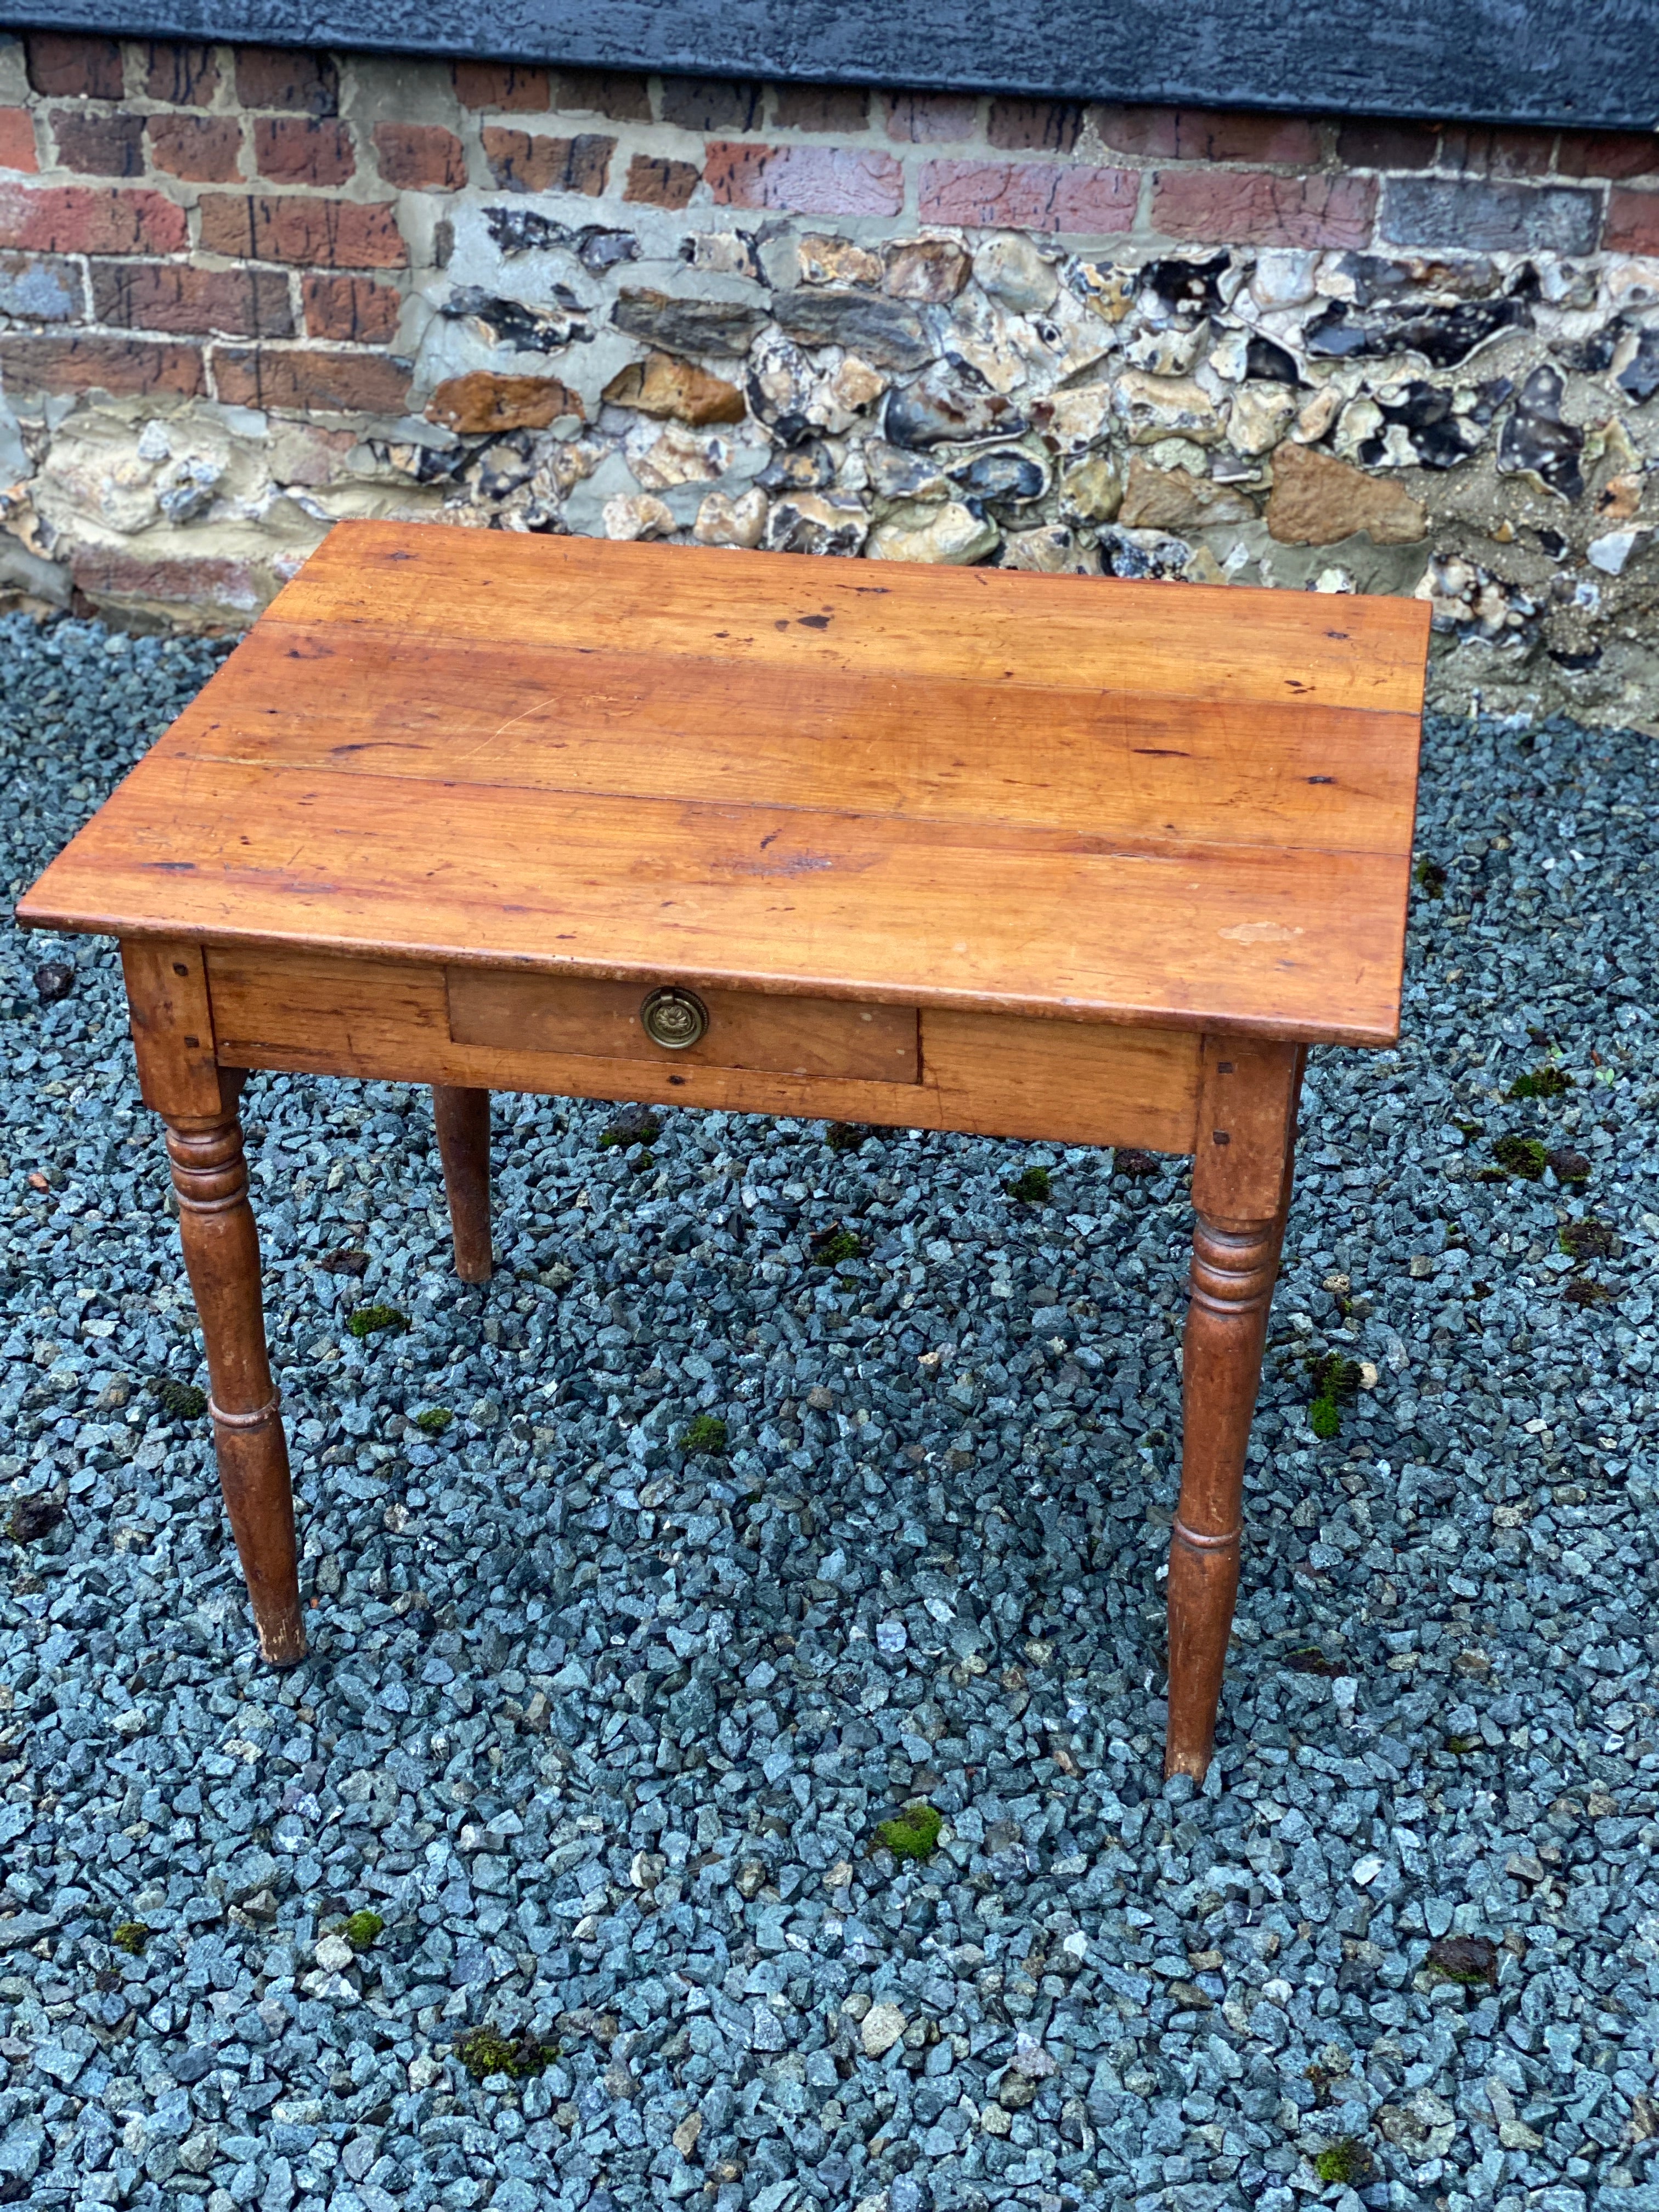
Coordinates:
column 244, row 293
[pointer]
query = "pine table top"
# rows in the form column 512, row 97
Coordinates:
column 1077, row 797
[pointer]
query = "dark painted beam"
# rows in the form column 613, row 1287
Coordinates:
column 1585, row 61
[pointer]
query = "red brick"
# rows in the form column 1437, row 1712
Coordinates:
column 102, row 364
column 822, row 107
column 280, row 76
column 805, row 180
column 89, row 219
column 69, row 68
column 303, row 382
column 1150, row 133
column 519, row 162
column 1208, row 134
column 420, row 156
column 1608, row 153
column 1029, row 196
column 510, row 86
column 1235, row 207
column 320, row 233
column 99, row 145
column 17, row 140
column 1475, row 150
column 711, row 103
column 931, row 118
column 187, row 76
column 612, row 93
column 1633, row 224
column 1050, row 125
column 303, row 149
column 108, row 576
column 350, row 310
column 183, row 302
column 655, row 182
column 200, row 148
column 1377, row 142
column 41, row 287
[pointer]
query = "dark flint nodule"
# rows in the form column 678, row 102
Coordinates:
column 1443, row 336
column 951, row 401
column 1269, row 363
column 521, row 230
column 1535, row 439
column 514, row 323
column 1007, row 474
column 1639, row 376
column 1188, row 289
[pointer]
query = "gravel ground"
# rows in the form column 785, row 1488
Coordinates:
column 602, row 1727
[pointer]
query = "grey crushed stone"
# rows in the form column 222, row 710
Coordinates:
column 602, row 1730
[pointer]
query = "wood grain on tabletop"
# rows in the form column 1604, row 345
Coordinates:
column 1071, row 796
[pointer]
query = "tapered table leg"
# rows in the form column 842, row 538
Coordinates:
column 221, row 1256
column 1241, row 1190
column 463, row 1120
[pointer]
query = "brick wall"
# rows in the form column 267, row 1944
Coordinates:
column 248, row 291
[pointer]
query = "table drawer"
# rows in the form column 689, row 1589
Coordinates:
column 767, row 1032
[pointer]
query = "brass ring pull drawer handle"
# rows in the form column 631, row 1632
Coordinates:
column 674, row 1018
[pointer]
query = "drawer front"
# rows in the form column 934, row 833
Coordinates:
column 778, row 1035
column 1065, row 1082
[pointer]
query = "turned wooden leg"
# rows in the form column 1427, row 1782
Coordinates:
column 1241, row 1193
column 463, row 1118
column 221, row 1256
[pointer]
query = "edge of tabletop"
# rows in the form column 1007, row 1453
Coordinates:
column 1094, row 1013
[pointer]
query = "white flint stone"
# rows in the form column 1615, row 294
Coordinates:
column 1609, row 554
column 1154, row 407
column 1283, row 278
column 949, row 532
column 1016, row 274
column 1261, row 414
column 628, row 517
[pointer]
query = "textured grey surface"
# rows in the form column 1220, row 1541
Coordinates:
column 603, row 1731
column 1596, row 62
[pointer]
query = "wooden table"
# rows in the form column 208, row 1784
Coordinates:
column 944, row 849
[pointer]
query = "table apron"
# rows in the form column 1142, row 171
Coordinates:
column 984, row 1074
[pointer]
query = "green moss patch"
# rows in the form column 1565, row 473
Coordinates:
column 130, row 1936
column 704, row 1432
column 914, row 1833
column 485, row 2051
column 1588, row 1239
column 1469, row 1959
column 634, row 1125
column 1524, row 1158
column 179, row 1401
column 1547, row 1081
column 847, row 1136
column 370, row 1321
column 435, row 1421
column 833, row 1245
column 360, row 1928
column 1346, row 2161
column 1334, row 1380
column 1431, row 878
column 1032, row 1187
